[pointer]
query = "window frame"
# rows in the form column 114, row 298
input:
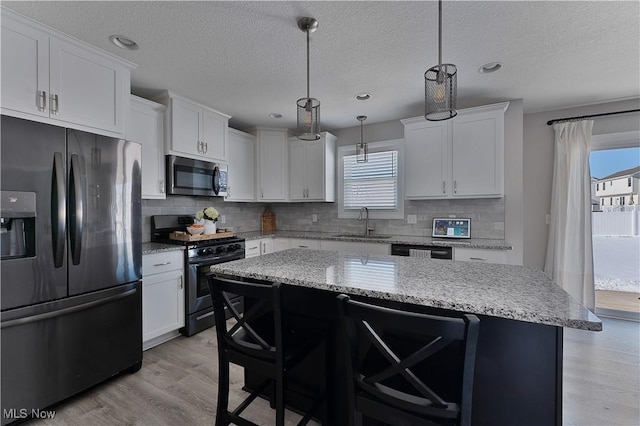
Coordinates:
column 379, row 146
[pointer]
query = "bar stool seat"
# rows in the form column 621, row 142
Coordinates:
column 407, row 368
column 261, row 341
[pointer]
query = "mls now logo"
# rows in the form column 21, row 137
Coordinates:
column 23, row 413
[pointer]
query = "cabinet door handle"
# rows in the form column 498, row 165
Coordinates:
column 162, row 187
column 444, row 187
column 206, row 147
column 455, row 186
column 261, row 193
column 181, row 284
column 198, row 147
column 162, row 264
column 303, row 246
column 42, row 100
column 477, row 258
column 55, row 110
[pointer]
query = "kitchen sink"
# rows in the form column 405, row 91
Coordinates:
column 371, row 237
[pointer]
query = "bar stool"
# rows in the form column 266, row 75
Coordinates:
column 259, row 341
column 407, row 368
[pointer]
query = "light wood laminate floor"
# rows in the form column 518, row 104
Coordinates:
column 178, row 381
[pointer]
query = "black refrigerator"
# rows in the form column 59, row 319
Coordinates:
column 70, row 232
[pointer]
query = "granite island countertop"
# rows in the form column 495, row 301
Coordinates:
column 479, row 243
column 504, row 291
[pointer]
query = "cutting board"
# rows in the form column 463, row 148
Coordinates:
column 185, row 236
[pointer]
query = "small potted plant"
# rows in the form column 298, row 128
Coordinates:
column 208, row 217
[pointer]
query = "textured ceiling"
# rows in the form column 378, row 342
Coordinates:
column 247, row 59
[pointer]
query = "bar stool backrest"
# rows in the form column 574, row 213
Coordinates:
column 410, row 362
column 257, row 331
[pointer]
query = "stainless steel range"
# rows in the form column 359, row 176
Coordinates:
column 199, row 256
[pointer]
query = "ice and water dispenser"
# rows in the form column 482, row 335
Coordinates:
column 18, row 224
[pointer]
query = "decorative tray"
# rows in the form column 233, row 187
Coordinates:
column 185, row 236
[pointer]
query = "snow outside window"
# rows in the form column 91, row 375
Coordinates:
column 376, row 184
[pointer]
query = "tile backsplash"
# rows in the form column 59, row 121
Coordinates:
column 487, row 216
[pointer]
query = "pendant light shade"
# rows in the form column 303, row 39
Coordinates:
column 440, row 84
column 308, row 108
column 362, row 149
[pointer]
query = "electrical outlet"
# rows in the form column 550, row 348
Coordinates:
column 223, row 219
column 314, row 218
column 412, row 219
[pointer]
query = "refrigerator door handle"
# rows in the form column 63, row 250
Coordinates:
column 76, row 208
column 66, row 311
column 58, row 210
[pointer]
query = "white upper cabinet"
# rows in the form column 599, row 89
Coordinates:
column 426, row 158
column 272, row 182
column 312, row 169
column 241, row 148
column 52, row 78
column 194, row 130
column 458, row 158
column 146, row 126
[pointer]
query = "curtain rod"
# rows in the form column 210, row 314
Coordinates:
column 558, row 120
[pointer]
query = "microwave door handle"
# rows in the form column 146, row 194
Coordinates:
column 76, row 216
column 58, row 216
column 216, row 180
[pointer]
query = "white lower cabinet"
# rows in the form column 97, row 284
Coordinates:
column 260, row 246
column 355, row 247
column 280, row 244
column 266, row 246
column 480, row 255
column 304, row 243
column 252, row 248
column 162, row 297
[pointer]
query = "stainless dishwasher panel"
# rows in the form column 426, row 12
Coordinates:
column 425, row 251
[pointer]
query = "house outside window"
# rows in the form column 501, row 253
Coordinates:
column 377, row 184
column 629, row 182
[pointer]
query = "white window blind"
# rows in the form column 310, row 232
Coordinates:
column 373, row 184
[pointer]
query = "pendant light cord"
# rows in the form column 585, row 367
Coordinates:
column 308, row 65
column 440, row 35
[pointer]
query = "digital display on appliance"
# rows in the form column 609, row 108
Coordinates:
column 451, row 228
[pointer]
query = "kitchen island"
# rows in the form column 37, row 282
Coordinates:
column 518, row 377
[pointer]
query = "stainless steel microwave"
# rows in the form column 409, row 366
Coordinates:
column 187, row 176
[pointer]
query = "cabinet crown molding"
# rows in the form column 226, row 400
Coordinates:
column 461, row 112
column 167, row 94
column 52, row 32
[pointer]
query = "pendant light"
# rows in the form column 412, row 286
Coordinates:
column 440, row 84
column 362, row 149
column 308, row 108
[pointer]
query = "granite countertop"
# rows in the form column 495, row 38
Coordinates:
column 386, row 239
column 504, row 291
column 150, row 248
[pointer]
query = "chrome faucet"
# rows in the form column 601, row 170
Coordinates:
column 367, row 229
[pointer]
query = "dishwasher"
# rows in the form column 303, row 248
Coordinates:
column 418, row 250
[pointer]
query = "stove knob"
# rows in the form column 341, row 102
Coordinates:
column 237, row 246
column 220, row 249
column 202, row 252
column 231, row 247
column 210, row 251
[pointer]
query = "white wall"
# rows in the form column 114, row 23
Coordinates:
column 538, row 165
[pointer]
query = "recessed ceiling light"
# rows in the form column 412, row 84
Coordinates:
column 363, row 96
column 490, row 67
column 123, row 42
column 275, row 115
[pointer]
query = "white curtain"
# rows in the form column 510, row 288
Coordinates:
column 569, row 248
